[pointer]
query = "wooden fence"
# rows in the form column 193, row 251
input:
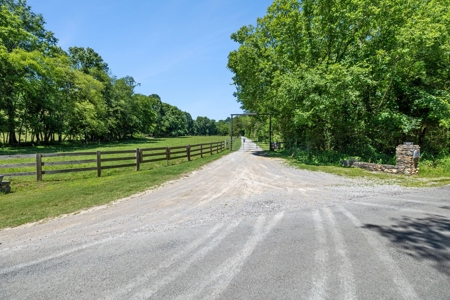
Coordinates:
column 137, row 156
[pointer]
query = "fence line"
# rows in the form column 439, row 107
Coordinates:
column 139, row 157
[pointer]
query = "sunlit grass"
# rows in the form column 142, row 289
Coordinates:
column 431, row 173
column 58, row 194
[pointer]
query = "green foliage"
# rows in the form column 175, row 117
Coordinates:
column 350, row 76
column 26, row 51
column 205, row 126
column 48, row 94
column 223, row 127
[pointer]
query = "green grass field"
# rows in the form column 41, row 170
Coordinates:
column 432, row 172
column 58, row 194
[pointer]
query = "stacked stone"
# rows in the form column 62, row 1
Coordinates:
column 405, row 162
column 376, row 167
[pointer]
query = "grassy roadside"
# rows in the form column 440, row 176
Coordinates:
column 430, row 175
column 33, row 201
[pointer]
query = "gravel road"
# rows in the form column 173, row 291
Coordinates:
column 243, row 227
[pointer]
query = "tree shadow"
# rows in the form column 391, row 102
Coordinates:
column 266, row 153
column 425, row 239
column 259, row 153
column 75, row 146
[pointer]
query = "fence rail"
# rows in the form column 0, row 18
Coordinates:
column 156, row 154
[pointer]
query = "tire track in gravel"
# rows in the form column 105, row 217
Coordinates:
column 146, row 293
column 220, row 278
column 347, row 281
column 406, row 289
column 319, row 276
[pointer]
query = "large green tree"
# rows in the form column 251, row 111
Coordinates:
column 24, row 47
column 205, row 126
column 349, row 75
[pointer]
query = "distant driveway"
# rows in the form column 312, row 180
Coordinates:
column 242, row 227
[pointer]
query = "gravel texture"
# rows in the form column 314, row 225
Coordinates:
column 243, row 227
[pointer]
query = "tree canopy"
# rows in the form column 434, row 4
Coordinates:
column 47, row 93
column 349, row 75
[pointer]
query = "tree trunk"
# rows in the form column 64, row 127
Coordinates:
column 11, row 121
column 422, row 133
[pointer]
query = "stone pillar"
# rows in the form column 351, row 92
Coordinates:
column 405, row 159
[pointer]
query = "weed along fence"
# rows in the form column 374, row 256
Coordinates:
column 56, row 163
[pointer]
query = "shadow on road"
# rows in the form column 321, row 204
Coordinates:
column 259, row 153
column 252, row 149
column 421, row 238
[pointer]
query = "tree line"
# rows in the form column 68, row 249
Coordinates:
column 354, row 76
column 48, row 94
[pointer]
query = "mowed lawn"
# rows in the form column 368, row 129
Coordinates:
column 57, row 194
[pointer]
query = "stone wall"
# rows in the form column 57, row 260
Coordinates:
column 405, row 162
column 405, row 154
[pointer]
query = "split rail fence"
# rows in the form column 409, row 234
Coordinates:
column 140, row 156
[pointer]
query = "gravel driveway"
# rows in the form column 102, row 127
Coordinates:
column 242, row 227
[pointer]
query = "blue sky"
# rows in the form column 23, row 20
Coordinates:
column 177, row 49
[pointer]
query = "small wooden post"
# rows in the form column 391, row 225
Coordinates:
column 167, row 155
column 188, row 152
column 201, row 151
column 39, row 166
column 210, row 149
column 99, row 164
column 138, row 159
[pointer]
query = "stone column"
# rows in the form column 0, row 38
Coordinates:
column 405, row 159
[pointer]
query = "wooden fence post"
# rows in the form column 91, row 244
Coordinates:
column 167, row 155
column 39, row 166
column 210, row 149
column 138, row 159
column 188, row 152
column 201, row 151
column 99, row 164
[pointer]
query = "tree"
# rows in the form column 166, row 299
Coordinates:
column 205, row 126
column 87, row 109
column 189, row 124
column 223, row 127
column 47, row 92
column 349, row 75
column 24, row 42
column 146, row 114
column 173, row 121
column 88, row 61
column 124, row 110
